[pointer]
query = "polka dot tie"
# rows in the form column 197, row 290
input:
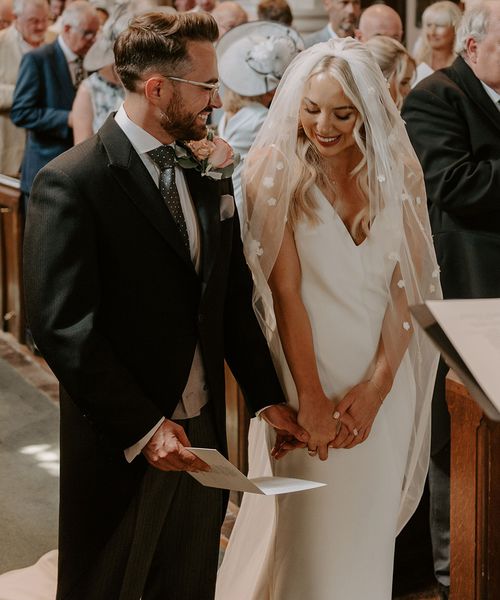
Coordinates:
column 164, row 157
column 79, row 73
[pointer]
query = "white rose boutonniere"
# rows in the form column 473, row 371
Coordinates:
column 212, row 156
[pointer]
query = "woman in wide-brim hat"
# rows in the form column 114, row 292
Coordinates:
column 252, row 58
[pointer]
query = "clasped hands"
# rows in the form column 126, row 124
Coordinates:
column 319, row 425
column 344, row 425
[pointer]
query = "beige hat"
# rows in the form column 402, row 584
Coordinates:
column 253, row 57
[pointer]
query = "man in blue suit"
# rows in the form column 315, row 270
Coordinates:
column 45, row 90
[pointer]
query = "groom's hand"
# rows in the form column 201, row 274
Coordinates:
column 289, row 434
column 168, row 450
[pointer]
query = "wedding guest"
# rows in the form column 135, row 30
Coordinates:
column 439, row 24
column 117, row 228
column 205, row 5
column 252, row 58
column 396, row 64
column 184, row 5
column 339, row 244
column 379, row 19
column 343, row 16
column 229, row 15
column 25, row 34
column 46, row 87
column 56, row 8
column 275, row 10
column 453, row 120
column 7, row 15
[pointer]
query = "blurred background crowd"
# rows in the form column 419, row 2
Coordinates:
column 73, row 43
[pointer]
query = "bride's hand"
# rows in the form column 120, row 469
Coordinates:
column 362, row 403
column 316, row 416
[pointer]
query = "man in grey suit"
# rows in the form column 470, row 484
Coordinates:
column 137, row 291
column 343, row 16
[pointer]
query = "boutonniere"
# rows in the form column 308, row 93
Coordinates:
column 212, row 156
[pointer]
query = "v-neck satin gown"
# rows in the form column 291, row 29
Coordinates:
column 334, row 542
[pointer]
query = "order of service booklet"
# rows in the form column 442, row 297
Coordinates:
column 225, row 475
column 467, row 333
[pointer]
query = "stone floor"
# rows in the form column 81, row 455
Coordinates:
column 31, row 376
column 29, row 458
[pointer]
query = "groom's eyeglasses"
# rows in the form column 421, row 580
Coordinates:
column 213, row 88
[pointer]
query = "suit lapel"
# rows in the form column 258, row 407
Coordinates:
column 136, row 183
column 206, row 198
column 475, row 91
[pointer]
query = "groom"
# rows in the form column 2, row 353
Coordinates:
column 137, row 290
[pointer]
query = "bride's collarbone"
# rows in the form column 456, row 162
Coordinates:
column 348, row 203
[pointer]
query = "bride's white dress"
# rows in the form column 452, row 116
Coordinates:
column 335, row 542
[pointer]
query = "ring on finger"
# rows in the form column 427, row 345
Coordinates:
column 312, row 452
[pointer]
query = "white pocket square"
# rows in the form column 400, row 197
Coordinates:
column 226, row 207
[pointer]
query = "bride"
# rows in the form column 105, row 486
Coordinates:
column 338, row 240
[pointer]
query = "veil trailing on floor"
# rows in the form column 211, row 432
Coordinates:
column 393, row 182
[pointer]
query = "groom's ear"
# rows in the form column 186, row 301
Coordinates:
column 157, row 88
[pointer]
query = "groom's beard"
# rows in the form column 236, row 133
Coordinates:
column 180, row 124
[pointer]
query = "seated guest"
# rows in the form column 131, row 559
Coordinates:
column 25, row 34
column 229, row 15
column 275, row 10
column 252, row 59
column 439, row 24
column 379, row 19
column 396, row 64
column 46, row 87
column 343, row 18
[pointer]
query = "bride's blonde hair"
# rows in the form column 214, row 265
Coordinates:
column 312, row 172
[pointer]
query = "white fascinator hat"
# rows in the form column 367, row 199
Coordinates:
column 253, row 57
column 101, row 53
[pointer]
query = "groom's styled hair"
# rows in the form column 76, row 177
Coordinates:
column 157, row 42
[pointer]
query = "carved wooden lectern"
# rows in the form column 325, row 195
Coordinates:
column 475, row 497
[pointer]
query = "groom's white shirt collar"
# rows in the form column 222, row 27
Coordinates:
column 141, row 140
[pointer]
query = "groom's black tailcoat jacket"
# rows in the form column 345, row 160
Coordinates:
column 116, row 308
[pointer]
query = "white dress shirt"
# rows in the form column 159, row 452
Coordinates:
column 195, row 394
